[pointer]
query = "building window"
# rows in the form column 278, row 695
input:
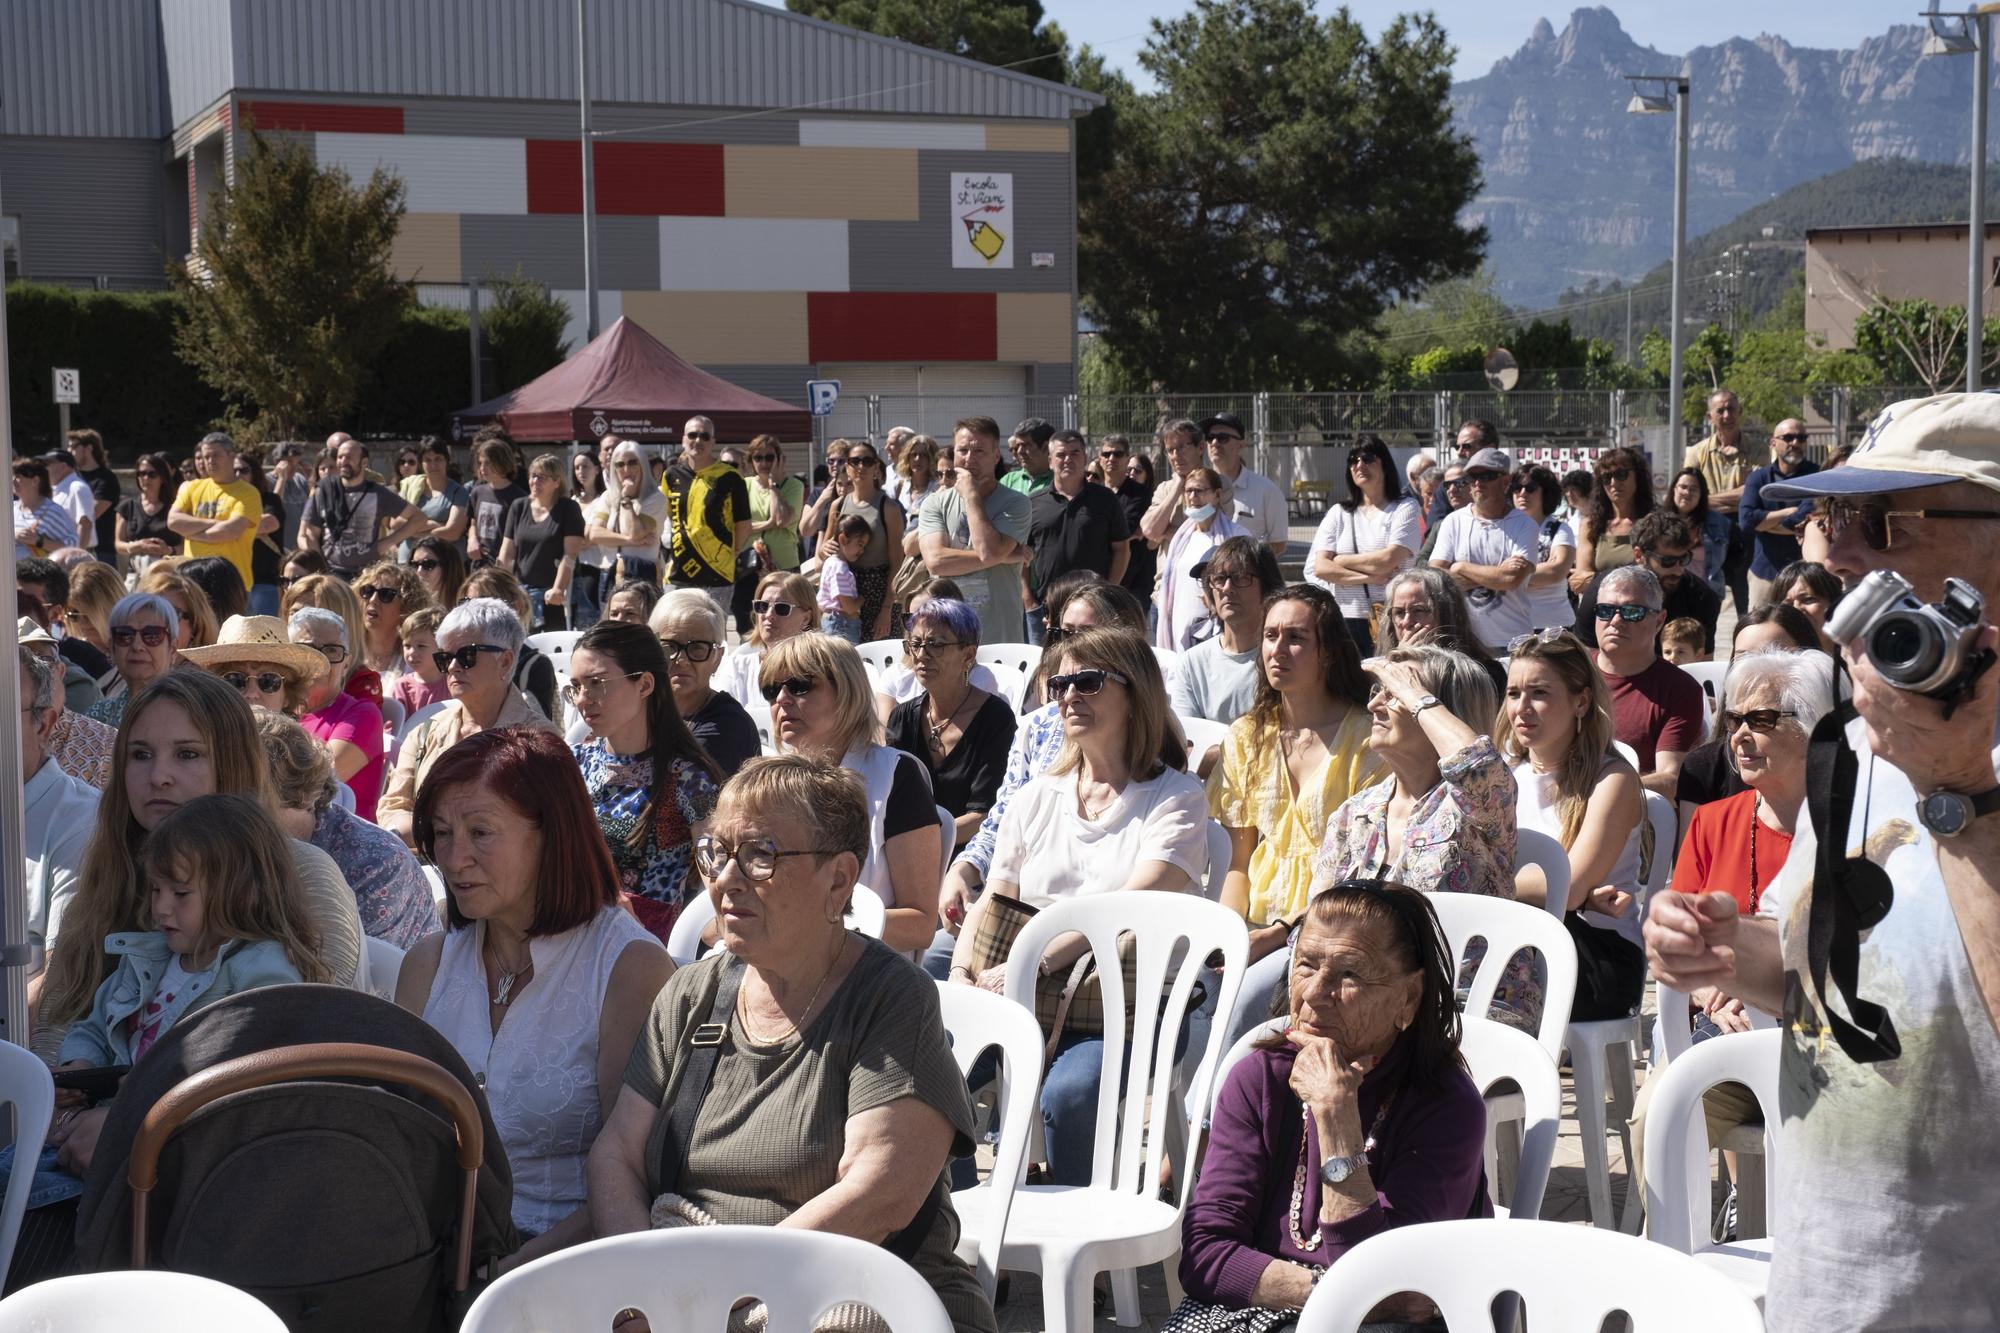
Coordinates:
column 10, row 247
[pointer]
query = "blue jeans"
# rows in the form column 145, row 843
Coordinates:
column 841, row 626
column 584, row 606
column 1038, row 625
column 264, row 599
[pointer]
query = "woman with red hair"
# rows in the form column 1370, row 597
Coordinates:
column 541, row 979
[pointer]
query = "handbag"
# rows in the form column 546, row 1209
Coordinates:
column 1193, row 1316
column 1072, row 1001
column 912, row 577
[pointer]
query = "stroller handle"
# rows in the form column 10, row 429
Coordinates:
column 291, row 1064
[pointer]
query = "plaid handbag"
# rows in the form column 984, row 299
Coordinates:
column 1071, row 1001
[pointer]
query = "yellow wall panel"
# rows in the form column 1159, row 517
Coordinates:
column 426, row 248
column 1026, row 136
column 1035, row 326
column 739, row 328
column 779, row 181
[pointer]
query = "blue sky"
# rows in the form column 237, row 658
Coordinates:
column 1485, row 31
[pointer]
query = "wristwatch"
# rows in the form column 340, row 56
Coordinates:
column 1334, row 1170
column 1425, row 701
column 1949, row 813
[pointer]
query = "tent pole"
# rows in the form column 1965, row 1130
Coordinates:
column 15, row 956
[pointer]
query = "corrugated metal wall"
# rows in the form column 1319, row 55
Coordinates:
column 81, row 67
column 196, row 40
column 88, row 207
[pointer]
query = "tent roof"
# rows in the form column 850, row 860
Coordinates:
column 629, row 383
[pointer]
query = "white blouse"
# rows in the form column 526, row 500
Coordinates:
column 540, row 1069
column 1052, row 852
column 1535, row 808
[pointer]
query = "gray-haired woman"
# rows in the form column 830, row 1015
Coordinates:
column 1422, row 605
column 350, row 728
column 144, row 628
column 478, row 643
column 958, row 731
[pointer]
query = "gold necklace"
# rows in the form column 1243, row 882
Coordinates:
column 743, row 1015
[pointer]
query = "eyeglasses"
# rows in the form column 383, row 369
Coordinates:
column 1546, row 635
column 269, row 682
column 1763, row 721
column 796, row 686
column 925, row 647
column 593, row 687
column 1873, row 518
column 1222, row 437
column 1399, row 614
column 624, row 463
column 695, row 650
column 1359, row 459
column 465, row 658
column 1085, row 683
column 1628, row 612
column 426, row 566
column 778, row 609
column 763, row 458
column 150, row 635
column 1665, row 561
column 333, row 652
column 286, row 580
column 837, row 463
column 1615, row 474
column 757, row 858
column 381, row 592
column 1799, row 438
column 1232, row 580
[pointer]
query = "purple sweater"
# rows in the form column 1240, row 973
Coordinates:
column 1426, row 1166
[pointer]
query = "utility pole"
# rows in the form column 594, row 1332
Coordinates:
column 1975, row 268
column 15, row 955
column 589, row 174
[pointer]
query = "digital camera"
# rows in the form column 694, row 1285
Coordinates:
column 1924, row 649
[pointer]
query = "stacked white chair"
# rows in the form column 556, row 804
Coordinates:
column 385, row 965
column 153, row 1299
column 1569, row 1277
column 690, row 1277
column 1202, row 734
column 556, row 645
column 29, row 1091
column 974, row 1020
column 1011, row 664
column 881, row 654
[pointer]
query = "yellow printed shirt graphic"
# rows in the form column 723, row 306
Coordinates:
column 704, row 508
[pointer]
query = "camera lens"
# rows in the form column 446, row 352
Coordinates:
column 1904, row 648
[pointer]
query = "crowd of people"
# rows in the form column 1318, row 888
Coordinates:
column 276, row 710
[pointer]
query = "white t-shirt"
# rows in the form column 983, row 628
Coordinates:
column 1550, row 606
column 1258, row 506
column 1498, row 618
column 1535, row 809
column 1361, row 531
column 1052, row 852
column 73, row 493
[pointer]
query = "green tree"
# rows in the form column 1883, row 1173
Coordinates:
column 1286, row 182
column 523, row 324
column 1921, row 342
column 291, row 292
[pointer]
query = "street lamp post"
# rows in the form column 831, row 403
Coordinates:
column 1671, row 95
column 589, row 174
column 1971, row 33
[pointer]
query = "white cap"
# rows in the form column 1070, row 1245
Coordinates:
column 1914, row 443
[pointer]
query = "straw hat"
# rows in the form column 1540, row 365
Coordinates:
column 259, row 639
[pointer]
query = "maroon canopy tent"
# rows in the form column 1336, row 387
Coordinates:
column 629, row 383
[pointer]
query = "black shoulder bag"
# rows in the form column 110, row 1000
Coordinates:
column 1849, row 895
column 705, row 1044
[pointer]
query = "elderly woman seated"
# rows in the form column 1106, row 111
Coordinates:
column 145, row 631
column 389, row 887
column 821, row 707
column 1360, row 1116
column 834, row 1102
column 691, row 628
column 542, row 979
column 477, row 645
column 260, row 663
column 349, row 727
column 958, row 731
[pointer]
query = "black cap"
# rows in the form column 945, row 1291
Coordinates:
column 63, row 456
column 1229, row 419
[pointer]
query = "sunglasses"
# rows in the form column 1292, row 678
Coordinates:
column 763, row 458
column 778, row 609
column 1799, row 438
column 863, row 460
column 696, row 650
column 1085, row 683
column 1114, row 453
column 1615, row 474
column 1626, row 612
column 1872, row 518
column 925, row 647
column 464, row 658
column 286, row 580
column 1668, row 561
column 270, row 682
column 426, row 566
column 149, row 472
column 698, row 435
column 150, row 635
column 1222, row 437
column 1480, row 478
column 796, row 686
column 1457, row 483
column 757, row 858
column 1763, row 721
column 379, row 593
column 1523, row 642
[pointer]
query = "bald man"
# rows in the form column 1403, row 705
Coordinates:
column 1774, row 530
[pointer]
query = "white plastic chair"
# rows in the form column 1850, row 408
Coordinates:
column 556, row 645
column 1170, row 664
column 760, row 718
column 27, row 1087
column 976, row 1019
column 418, row 718
column 393, row 714
column 1674, row 1038
column 160, row 1301
column 578, row 733
column 1677, row 1150
column 385, row 964
column 1708, row 675
column 684, row 940
column 1220, row 852
column 1630, row 755
column 1202, row 735
column 865, row 913
column 1118, row 1222
column 1569, row 1278
column 1508, row 926
column 689, row 1277
column 1666, row 822
column 881, row 654
column 1495, row 1054
column 1011, row 664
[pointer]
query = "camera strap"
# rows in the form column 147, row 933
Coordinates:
column 1849, row 895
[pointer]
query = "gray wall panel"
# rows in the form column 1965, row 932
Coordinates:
column 89, row 207
column 89, row 68
column 557, row 120
column 1053, row 377
column 549, row 249
column 197, row 40
column 916, row 256
column 787, row 384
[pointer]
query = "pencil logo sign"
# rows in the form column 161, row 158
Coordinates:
column 982, row 211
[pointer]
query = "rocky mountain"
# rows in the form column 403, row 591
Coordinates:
column 1577, row 189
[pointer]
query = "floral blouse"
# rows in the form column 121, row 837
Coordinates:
column 390, row 890
column 654, row 875
column 1460, row 839
column 1037, row 741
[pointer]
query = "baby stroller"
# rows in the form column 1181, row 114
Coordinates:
column 315, row 1146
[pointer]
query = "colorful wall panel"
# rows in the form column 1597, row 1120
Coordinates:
column 441, row 174
column 902, row 326
column 753, row 255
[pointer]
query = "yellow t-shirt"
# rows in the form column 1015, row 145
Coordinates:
column 206, row 498
column 1252, row 788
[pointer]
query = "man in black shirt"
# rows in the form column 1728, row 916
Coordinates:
column 708, row 512
column 1663, row 542
column 87, row 447
column 1134, row 496
column 354, row 521
column 1074, row 524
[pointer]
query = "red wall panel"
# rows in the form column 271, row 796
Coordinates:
column 902, row 326
column 633, row 179
column 313, row 117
